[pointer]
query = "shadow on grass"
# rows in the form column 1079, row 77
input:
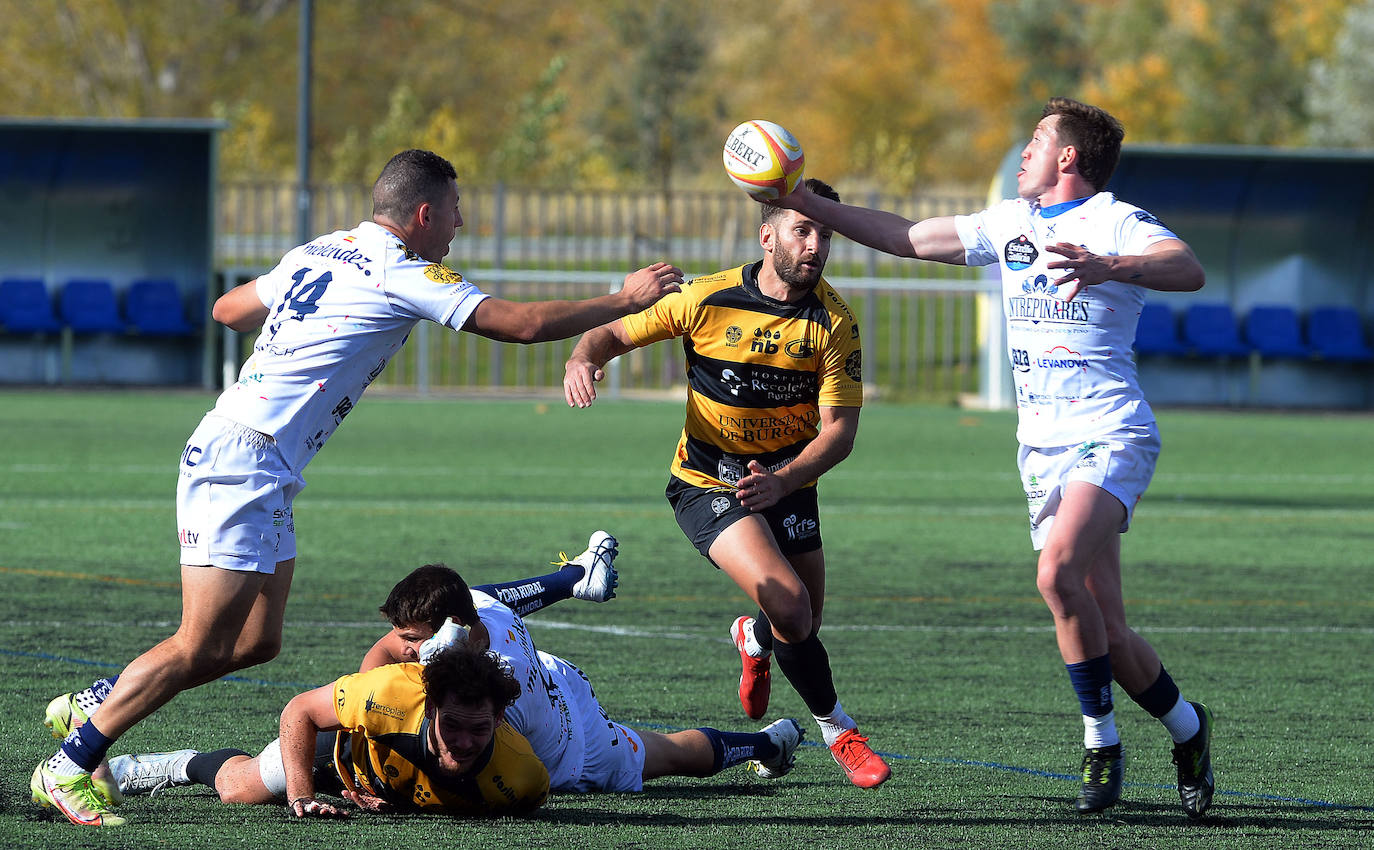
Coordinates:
column 1278, row 816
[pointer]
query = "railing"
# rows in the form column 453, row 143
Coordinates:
column 918, row 320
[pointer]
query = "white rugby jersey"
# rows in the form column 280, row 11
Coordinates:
column 341, row 306
column 1071, row 360
column 550, row 709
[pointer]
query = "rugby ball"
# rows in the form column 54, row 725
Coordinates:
column 763, row 159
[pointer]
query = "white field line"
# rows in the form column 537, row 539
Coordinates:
column 1182, row 509
column 915, row 473
column 536, row 623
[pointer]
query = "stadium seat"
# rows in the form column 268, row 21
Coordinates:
column 89, row 307
column 1335, row 334
column 1209, row 330
column 1157, row 332
column 1273, row 330
column 25, row 307
column 153, row 308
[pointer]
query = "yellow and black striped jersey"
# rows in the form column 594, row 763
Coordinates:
column 383, row 714
column 758, row 370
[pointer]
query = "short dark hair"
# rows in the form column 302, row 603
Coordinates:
column 430, row 594
column 817, row 187
column 471, row 676
column 1093, row 132
column 410, row 178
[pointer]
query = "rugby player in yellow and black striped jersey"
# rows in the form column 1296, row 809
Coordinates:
column 402, row 737
column 775, row 383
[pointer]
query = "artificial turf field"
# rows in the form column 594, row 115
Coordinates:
column 1250, row 568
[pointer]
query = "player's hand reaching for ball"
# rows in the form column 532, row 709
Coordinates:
column 644, row 287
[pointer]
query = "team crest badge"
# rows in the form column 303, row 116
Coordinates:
column 733, row 335
column 442, row 274
column 1019, row 253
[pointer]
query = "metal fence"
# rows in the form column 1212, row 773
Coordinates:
column 919, row 320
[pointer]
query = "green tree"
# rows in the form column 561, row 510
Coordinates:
column 1339, row 87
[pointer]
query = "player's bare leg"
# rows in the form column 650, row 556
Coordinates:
column 218, row 607
column 1088, row 520
column 1137, row 668
column 791, row 593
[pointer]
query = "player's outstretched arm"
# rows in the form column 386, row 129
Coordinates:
column 302, row 720
column 541, row 321
column 930, row 239
column 585, row 367
column 240, row 308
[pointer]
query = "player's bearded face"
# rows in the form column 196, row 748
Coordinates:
column 460, row 733
column 800, row 249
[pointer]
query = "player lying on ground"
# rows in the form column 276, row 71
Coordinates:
column 401, row 737
column 332, row 314
column 557, row 711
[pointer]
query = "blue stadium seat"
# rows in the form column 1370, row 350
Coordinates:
column 89, row 307
column 25, row 307
column 1157, row 332
column 154, row 308
column 1273, row 330
column 1210, row 330
column 1335, row 334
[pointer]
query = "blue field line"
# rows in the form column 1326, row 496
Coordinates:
column 990, row 765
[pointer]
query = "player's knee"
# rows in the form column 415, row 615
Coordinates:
column 1055, row 581
column 792, row 623
column 260, row 651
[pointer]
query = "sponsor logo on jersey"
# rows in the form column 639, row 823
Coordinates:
column 188, row 537
column 801, row 349
column 800, row 529
column 1020, row 253
column 842, row 307
column 1062, row 357
column 1039, row 283
column 772, row 385
column 732, row 382
column 720, row 505
column 440, row 273
column 733, row 335
column 1141, row 215
column 764, row 341
column 1047, row 309
column 749, row 429
column 372, row 706
column 853, row 367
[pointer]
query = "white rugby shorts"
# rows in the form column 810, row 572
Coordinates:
column 612, row 755
column 1122, row 463
column 234, row 495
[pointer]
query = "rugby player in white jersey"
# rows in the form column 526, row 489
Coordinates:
column 556, row 711
column 1075, row 265
column 333, row 313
